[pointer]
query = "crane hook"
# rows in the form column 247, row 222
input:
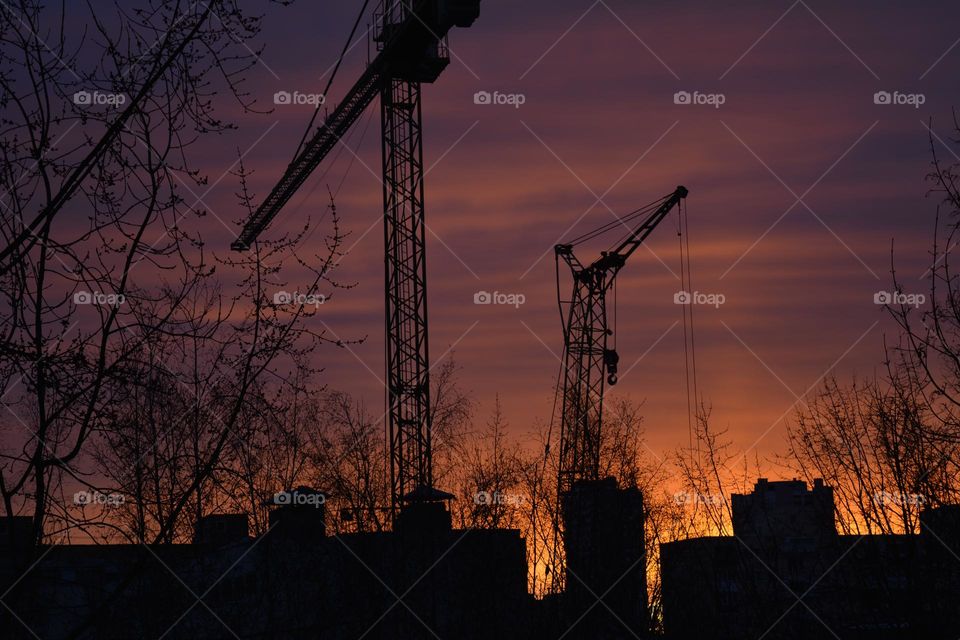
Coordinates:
column 610, row 360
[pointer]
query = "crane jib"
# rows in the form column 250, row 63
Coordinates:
column 412, row 49
column 326, row 138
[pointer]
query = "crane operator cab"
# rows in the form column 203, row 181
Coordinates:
column 414, row 34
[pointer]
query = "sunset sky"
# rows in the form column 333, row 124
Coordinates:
column 798, row 183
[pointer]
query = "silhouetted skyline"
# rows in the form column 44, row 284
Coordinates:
column 224, row 415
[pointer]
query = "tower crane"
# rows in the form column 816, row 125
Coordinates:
column 411, row 38
column 589, row 362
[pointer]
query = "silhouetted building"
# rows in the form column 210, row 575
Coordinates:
column 787, row 574
column 606, row 579
column 426, row 580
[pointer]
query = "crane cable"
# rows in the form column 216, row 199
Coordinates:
column 316, row 111
column 645, row 212
column 590, row 235
column 689, row 343
column 343, row 178
column 326, row 90
column 614, row 334
column 550, row 563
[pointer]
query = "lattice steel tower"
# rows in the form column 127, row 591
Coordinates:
column 412, row 49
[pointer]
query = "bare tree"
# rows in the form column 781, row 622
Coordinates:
column 272, row 451
column 623, row 456
column 927, row 358
column 349, row 460
column 488, row 478
column 205, row 422
column 874, row 446
column 452, row 411
column 890, row 445
column 126, row 368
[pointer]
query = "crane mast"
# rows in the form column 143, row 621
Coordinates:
column 412, row 49
column 405, row 274
column 587, row 356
